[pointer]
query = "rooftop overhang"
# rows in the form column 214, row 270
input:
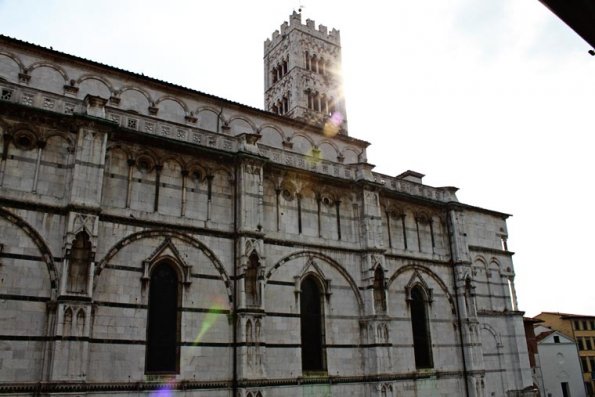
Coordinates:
column 578, row 14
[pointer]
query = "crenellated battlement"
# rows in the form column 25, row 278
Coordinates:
column 295, row 22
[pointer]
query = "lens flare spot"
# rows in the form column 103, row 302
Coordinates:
column 314, row 157
column 333, row 125
column 165, row 391
column 213, row 313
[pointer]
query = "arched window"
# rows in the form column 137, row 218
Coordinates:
column 422, row 345
column 379, row 295
column 285, row 104
column 67, row 328
column 383, row 391
column 251, row 280
column 162, row 328
column 78, row 267
column 469, row 302
column 312, row 326
column 80, row 323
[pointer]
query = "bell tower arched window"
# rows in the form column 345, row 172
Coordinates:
column 162, row 324
column 422, row 344
column 312, row 325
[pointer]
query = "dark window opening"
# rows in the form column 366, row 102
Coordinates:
column 312, row 331
column 78, row 268
column 379, row 295
column 589, row 388
column 585, row 364
column 285, row 103
column 162, row 328
column 556, row 339
column 251, row 281
column 419, row 325
column 565, row 389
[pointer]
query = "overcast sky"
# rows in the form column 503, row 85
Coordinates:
column 495, row 97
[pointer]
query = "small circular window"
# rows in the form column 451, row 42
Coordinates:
column 327, row 201
column 287, row 195
column 24, row 140
column 144, row 164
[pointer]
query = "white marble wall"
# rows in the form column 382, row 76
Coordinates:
column 232, row 181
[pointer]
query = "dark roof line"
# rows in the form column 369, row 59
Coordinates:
column 569, row 315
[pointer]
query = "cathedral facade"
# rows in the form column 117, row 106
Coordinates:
column 156, row 240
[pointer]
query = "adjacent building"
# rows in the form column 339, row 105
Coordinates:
column 558, row 364
column 581, row 328
column 156, row 238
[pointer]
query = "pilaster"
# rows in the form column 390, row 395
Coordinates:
column 89, row 162
column 250, row 259
column 465, row 296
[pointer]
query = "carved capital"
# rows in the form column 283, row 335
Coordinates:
column 24, row 77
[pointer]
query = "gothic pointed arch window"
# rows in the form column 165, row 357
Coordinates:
column 379, row 295
column 422, row 344
column 312, row 325
column 251, row 281
column 80, row 323
column 469, row 298
column 79, row 261
column 67, row 323
column 163, row 321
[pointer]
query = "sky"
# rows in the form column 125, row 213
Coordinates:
column 494, row 97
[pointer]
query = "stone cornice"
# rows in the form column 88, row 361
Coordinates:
column 162, row 382
column 494, row 251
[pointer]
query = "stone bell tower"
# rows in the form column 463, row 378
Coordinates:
column 302, row 74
